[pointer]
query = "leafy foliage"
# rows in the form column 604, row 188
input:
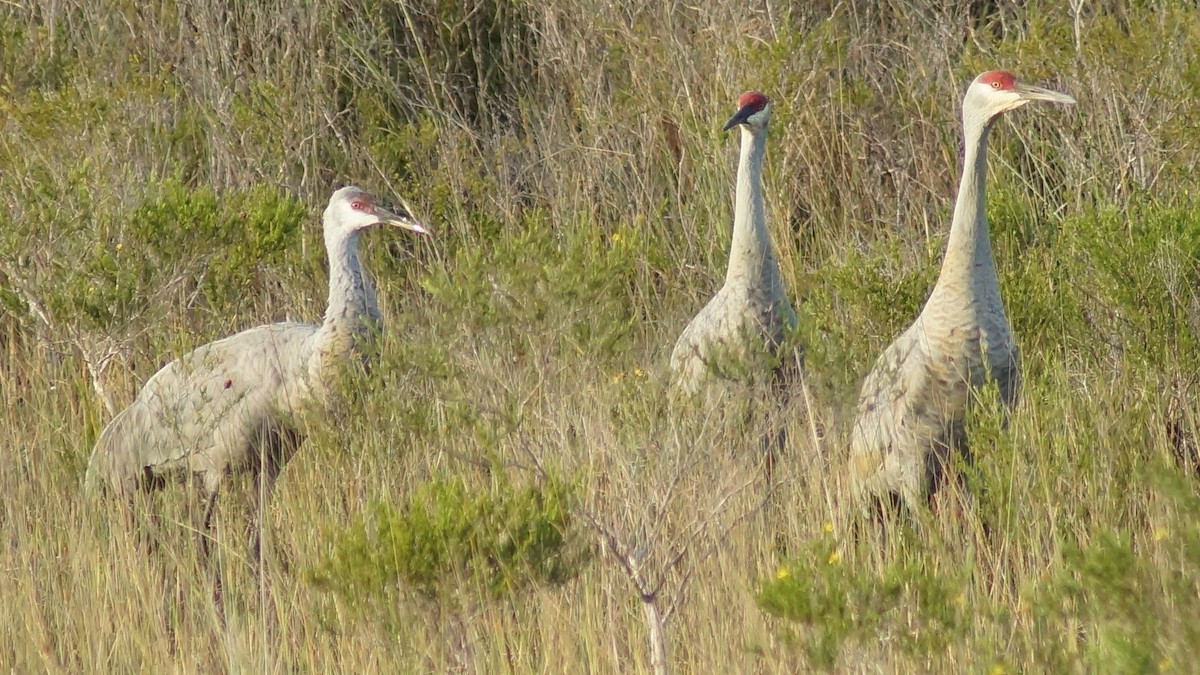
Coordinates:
column 446, row 540
column 1108, row 608
column 829, row 604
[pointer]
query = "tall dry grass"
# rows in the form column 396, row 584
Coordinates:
column 570, row 160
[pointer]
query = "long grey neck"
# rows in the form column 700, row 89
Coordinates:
column 751, row 256
column 968, row 263
column 352, row 302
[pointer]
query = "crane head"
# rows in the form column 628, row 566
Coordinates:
column 997, row 91
column 754, row 110
column 352, row 209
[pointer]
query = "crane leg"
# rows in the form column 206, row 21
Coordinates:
column 147, row 537
column 277, row 445
column 206, row 528
column 263, row 485
column 207, row 531
column 774, row 442
column 257, row 506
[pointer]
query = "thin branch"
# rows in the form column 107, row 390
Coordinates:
column 618, row 551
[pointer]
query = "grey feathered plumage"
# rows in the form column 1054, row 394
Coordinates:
column 911, row 412
column 234, row 404
column 745, row 323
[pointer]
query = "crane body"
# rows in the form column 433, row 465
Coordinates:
column 234, row 405
column 748, row 319
column 910, row 416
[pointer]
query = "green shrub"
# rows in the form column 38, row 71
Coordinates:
column 562, row 276
column 220, row 244
column 828, row 605
column 1123, row 601
column 446, row 539
column 236, row 234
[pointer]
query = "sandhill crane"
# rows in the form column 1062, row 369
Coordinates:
column 232, row 405
column 751, row 313
column 910, row 414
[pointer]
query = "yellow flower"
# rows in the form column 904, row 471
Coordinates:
column 120, row 246
column 827, row 527
column 782, row 573
column 616, row 238
column 998, row 669
column 835, row 557
column 638, row 372
column 1161, row 533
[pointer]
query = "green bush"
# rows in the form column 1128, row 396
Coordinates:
column 236, row 234
column 827, row 604
column 220, row 244
column 565, row 277
column 446, row 539
column 1122, row 601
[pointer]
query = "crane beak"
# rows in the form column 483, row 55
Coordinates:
column 1031, row 93
column 739, row 117
column 401, row 220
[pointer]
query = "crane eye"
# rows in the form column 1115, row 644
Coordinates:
column 996, row 84
column 357, row 206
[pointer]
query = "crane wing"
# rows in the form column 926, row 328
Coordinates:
column 724, row 338
column 909, row 415
column 206, row 410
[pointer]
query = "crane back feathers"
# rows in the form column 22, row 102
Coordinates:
column 730, row 338
column 215, row 409
column 910, row 417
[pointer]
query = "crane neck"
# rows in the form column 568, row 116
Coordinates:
column 751, row 257
column 968, row 262
column 352, row 298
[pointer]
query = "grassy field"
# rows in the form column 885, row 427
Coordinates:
column 510, row 489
